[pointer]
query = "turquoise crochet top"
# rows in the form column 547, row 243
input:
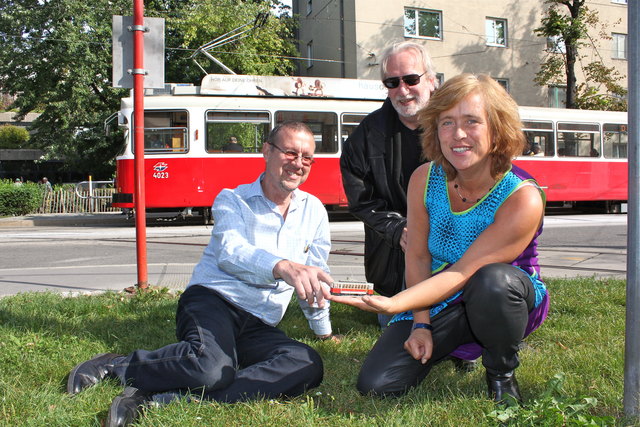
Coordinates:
column 451, row 233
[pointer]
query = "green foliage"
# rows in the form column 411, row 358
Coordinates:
column 265, row 50
column 600, row 90
column 572, row 28
column 13, row 136
column 554, row 407
column 43, row 335
column 589, row 96
column 55, row 56
column 18, row 200
column 551, row 71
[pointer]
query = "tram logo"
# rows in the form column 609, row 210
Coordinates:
column 160, row 167
column 160, row 170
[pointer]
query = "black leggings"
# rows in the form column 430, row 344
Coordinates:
column 494, row 313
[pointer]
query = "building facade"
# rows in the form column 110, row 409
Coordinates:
column 344, row 38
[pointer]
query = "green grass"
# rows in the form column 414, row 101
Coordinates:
column 571, row 371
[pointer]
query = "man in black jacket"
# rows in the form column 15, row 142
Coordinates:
column 379, row 158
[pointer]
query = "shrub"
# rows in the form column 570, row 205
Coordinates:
column 13, row 136
column 19, row 200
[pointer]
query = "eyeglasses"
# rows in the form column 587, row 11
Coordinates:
column 409, row 80
column 293, row 156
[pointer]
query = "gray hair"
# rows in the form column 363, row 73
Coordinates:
column 398, row 47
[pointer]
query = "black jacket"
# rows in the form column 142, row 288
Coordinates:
column 371, row 165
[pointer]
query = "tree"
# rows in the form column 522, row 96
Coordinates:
column 13, row 136
column 570, row 31
column 266, row 50
column 55, row 56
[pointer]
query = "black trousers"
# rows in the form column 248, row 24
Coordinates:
column 494, row 313
column 224, row 354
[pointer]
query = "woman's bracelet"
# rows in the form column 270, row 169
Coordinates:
column 422, row 326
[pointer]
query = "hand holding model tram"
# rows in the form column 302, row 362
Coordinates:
column 344, row 292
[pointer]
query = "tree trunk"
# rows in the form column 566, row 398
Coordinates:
column 572, row 53
column 571, row 43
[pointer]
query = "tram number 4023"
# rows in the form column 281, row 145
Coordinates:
column 161, row 175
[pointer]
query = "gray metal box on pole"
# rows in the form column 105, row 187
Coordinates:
column 123, row 52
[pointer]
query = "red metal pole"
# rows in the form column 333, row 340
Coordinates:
column 138, row 134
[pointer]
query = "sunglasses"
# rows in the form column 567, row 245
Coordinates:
column 409, row 80
column 293, row 156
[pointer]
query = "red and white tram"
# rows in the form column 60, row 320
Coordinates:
column 578, row 156
column 187, row 127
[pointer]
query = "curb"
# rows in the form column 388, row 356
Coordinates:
column 61, row 220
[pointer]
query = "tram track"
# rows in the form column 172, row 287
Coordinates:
column 341, row 251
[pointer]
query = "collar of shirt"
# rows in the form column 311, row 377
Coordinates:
column 255, row 190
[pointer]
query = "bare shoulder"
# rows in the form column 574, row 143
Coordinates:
column 526, row 203
column 420, row 174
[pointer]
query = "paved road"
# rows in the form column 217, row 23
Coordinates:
column 89, row 253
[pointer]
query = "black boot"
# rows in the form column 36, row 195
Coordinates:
column 91, row 372
column 127, row 407
column 502, row 384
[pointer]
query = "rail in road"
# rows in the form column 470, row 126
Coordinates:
column 555, row 260
column 90, row 267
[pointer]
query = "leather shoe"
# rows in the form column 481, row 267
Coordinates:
column 91, row 372
column 501, row 385
column 463, row 365
column 127, row 407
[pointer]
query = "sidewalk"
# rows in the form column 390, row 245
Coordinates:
column 67, row 220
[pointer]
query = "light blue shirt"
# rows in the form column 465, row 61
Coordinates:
column 250, row 237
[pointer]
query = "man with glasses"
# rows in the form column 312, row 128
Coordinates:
column 379, row 158
column 270, row 239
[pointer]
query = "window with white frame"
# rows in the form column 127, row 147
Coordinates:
column 555, row 44
column 310, row 54
column 619, row 46
column 423, row 23
column 309, row 7
column 503, row 82
column 496, row 32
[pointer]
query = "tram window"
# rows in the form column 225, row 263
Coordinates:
column 249, row 128
column 165, row 132
column 578, row 140
column 323, row 125
column 615, row 141
column 349, row 123
column 540, row 141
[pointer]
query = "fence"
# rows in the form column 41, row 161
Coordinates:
column 68, row 200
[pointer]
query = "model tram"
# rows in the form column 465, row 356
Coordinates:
column 578, row 156
column 355, row 289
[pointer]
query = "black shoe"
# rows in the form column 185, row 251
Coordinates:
column 127, row 407
column 463, row 365
column 503, row 387
column 90, row 372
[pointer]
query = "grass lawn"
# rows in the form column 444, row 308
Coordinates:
column 571, row 371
